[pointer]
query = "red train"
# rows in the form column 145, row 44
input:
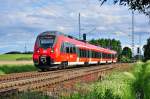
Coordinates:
column 52, row 48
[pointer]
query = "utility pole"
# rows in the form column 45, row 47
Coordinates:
column 25, row 48
column 132, row 34
column 79, row 28
column 140, row 36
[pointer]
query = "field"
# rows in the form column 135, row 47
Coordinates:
column 14, row 63
column 15, row 57
column 7, row 69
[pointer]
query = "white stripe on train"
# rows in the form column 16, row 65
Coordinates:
column 82, row 63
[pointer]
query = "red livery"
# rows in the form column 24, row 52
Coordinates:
column 52, row 48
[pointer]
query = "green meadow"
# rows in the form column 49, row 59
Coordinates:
column 15, row 68
column 14, row 57
column 7, row 69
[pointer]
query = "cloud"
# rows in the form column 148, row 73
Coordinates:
column 22, row 20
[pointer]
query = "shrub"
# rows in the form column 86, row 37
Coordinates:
column 125, row 59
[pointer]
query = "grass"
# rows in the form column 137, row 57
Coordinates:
column 27, row 95
column 134, row 84
column 141, row 85
column 7, row 69
column 14, row 57
column 114, row 86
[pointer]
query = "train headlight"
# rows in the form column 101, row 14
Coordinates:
column 38, row 51
column 52, row 50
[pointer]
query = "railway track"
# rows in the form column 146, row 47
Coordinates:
column 42, row 80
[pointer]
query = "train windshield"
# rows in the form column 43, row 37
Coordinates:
column 47, row 42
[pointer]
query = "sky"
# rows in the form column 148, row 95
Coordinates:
column 22, row 20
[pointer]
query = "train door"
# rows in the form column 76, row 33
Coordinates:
column 63, row 52
column 72, row 53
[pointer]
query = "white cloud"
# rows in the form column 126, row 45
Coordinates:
column 32, row 16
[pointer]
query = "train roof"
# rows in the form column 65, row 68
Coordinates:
column 50, row 33
column 81, row 41
column 56, row 33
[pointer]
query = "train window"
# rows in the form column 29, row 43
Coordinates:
column 74, row 49
column 97, row 54
column 102, row 55
column 67, row 50
column 88, row 53
column 108, row 56
column 71, row 49
column 92, row 54
column 62, row 49
column 80, row 51
column 83, row 53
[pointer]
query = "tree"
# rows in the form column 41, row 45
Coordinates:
column 126, row 52
column 126, row 55
column 147, row 50
column 140, row 5
column 108, row 43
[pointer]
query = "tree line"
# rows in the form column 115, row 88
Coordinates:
column 108, row 43
column 124, row 55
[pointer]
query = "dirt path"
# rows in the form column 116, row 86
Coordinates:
column 16, row 62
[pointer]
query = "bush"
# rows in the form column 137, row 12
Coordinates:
column 125, row 59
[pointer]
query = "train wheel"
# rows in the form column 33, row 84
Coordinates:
column 98, row 63
column 43, row 70
column 63, row 65
column 86, row 63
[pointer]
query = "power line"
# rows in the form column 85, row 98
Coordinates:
column 25, row 48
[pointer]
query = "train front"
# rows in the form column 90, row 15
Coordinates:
column 43, row 56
